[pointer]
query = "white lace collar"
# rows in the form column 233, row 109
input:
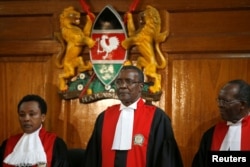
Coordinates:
column 28, row 151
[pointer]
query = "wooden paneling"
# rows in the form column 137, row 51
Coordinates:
column 31, row 47
column 213, row 31
column 195, row 85
column 51, row 6
column 20, row 77
column 209, row 44
column 32, row 27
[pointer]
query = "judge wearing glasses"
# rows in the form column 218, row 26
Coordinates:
column 232, row 134
column 132, row 134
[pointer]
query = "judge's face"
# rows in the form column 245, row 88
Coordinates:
column 231, row 108
column 30, row 116
column 128, row 86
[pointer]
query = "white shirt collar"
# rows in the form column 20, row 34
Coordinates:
column 132, row 106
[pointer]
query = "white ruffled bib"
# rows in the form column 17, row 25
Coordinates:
column 28, row 151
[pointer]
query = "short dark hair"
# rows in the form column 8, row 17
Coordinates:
column 244, row 90
column 140, row 73
column 32, row 97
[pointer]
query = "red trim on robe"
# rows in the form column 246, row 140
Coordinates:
column 47, row 139
column 220, row 132
column 143, row 117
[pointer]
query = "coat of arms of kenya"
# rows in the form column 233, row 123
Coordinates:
column 147, row 39
column 76, row 75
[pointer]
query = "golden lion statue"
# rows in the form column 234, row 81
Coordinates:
column 147, row 39
column 75, row 38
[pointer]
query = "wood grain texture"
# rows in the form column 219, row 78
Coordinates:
column 208, row 45
column 195, row 86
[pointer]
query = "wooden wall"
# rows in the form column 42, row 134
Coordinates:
column 209, row 44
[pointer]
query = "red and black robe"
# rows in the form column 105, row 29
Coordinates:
column 153, row 142
column 54, row 147
column 213, row 138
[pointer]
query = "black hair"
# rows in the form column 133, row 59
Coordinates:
column 31, row 97
column 244, row 90
column 139, row 72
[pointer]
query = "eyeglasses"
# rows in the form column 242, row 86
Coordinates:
column 128, row 82
column 226, row 102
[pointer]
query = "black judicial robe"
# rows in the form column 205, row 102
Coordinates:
column 153, row 143
column 201, row 157
column 213, row 138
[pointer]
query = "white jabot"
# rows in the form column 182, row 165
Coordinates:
column 124, row 128
column 28, row 151
column 232, row 140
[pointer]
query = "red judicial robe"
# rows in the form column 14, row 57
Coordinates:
column 213, row 138
column 54, row 147
column 153, row 142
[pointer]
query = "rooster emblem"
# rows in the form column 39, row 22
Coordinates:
column 108, row 44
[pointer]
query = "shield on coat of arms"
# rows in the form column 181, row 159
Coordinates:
column 108, row 56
